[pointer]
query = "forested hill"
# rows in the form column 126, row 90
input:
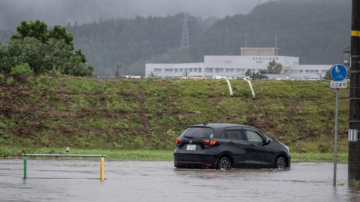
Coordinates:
column 127, row 41
column 314, row 30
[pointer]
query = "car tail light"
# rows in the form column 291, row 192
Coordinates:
column 178, row 140
column 208, row 141
column 208, row 165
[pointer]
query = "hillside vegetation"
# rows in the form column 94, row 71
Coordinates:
column 46, row 111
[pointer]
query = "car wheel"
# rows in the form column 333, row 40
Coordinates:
column 280, row 163
column 224, row 164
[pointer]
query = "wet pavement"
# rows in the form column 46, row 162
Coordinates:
column 78, row 180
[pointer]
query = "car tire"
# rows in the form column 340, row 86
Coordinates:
column 224, row 164
column 280, row 163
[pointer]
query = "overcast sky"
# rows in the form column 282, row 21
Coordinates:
column 64, row 11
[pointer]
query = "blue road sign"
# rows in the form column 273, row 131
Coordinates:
column 338, row 72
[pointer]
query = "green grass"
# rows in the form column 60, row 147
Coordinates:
column 45, row 111
column 320, row 157
column 154, row 155
column 148, row 155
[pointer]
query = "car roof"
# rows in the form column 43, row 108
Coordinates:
column 220, row 125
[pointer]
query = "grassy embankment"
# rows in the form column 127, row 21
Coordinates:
column 148, row 115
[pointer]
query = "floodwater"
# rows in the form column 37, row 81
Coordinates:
column 78, row 180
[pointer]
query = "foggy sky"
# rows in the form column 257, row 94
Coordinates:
column 83, row 11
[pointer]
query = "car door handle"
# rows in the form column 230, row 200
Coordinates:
column 231, row 142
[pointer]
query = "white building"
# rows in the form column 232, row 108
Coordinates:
column 253, row 59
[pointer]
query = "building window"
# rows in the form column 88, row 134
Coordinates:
column 301, row 71
column 157, row 70
column 232, row 70
column 316, row 71
column 286, row 71
column 227, row 70
column 176, row 70
column 221, row 70
column 190, row 69
column 311, row 71
column 169, row 71
column 253, row 58
column 238, row 70
column 199, row 70
column 307, row 71
column 209, row 70
column 217, row 70
column 323, row 71
column 195, row 69
column 277, row 58
column 181, row 70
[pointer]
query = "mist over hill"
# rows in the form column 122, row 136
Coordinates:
column 84, row 11
column 314, row 30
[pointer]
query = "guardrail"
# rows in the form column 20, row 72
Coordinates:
column 102, row 161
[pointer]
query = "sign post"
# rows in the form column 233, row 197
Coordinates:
column 338, row 73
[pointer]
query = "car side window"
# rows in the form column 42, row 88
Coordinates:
column 234, row 135
column 253, row 136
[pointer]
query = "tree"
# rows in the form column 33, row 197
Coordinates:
column 248, row 73
column 328, row 75
column 59, row 33
column 43, row 57
column 186, row 72
column 274, row 68
column 43, row 50
column 37, row 30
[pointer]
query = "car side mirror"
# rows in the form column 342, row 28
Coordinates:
column 266, row 141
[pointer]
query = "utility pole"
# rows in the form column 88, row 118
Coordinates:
column 354, row 110
column 185, row 34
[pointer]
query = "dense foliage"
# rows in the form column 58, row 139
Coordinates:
column 43, row 50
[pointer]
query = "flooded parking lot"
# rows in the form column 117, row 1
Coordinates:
column 78, row 180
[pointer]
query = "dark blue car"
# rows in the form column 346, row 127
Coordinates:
column 223, row 146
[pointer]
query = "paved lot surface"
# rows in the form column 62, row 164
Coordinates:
column 78, row 180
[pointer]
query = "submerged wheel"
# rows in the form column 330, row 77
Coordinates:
column 224, row 164
column 280, row 163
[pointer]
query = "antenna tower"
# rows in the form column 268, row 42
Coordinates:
column 185, row 34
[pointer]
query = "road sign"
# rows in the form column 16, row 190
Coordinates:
column 338, row 84
column 338, row 72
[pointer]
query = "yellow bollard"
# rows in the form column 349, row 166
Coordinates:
column 102, row 172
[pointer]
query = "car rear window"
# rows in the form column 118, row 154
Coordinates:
column 198, row 133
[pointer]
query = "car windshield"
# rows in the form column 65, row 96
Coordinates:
column 198, row 133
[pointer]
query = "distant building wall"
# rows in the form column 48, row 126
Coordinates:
column 236, row 66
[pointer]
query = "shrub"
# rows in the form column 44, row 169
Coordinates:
column 10, row 81
column 21, row 69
